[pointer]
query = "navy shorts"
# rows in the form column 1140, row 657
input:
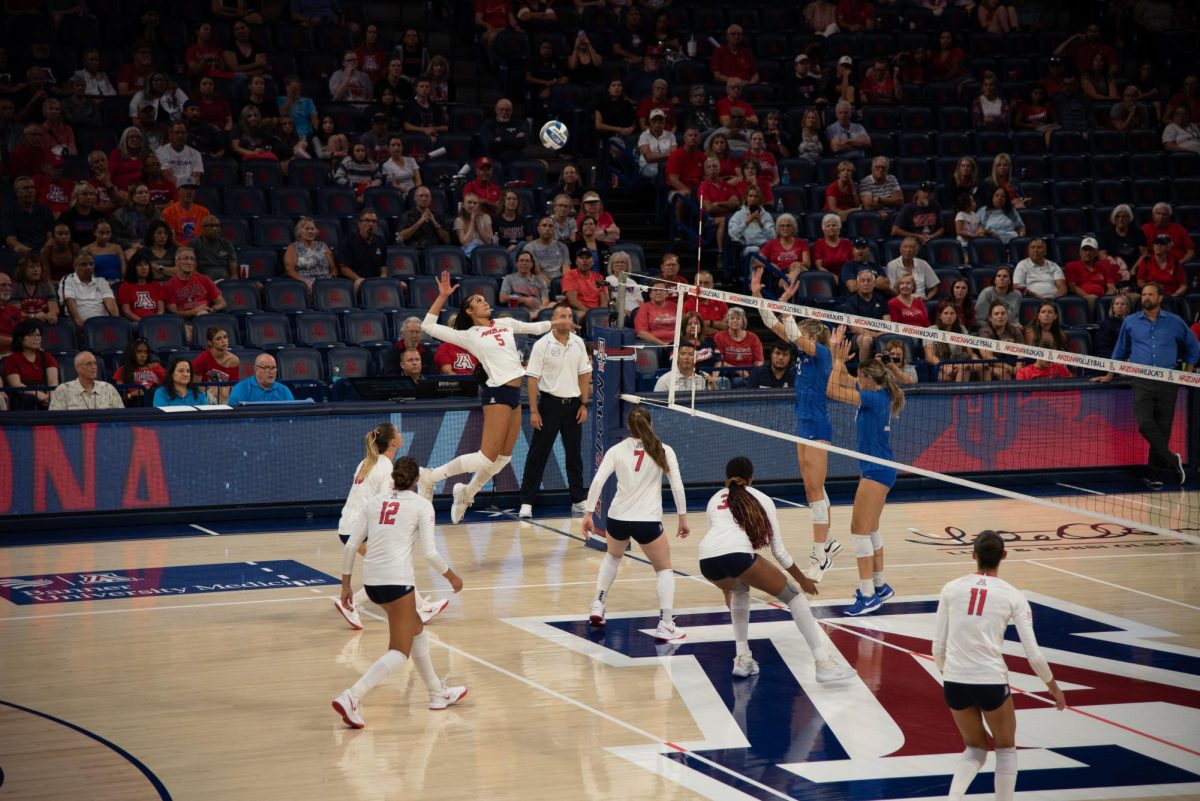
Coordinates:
column 985, row 696
column 386, row 593
column 642, row 531
column 727, row 565
column 877, row 472
column 814, row 429
column 503, row 395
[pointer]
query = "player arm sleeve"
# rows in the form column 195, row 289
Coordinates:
column 598, row 480
column 357, row 535
column 676, row 482
column 778, row 549
column 1023, row 620
column 521, row 327
column 445, row 333
column 428, row 544
column 941, row 631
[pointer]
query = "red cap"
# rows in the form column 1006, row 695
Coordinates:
column 483, row 161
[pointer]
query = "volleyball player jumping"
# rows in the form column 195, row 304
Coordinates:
column 813, row 365
column 878, row 398
column 973, row 613
column 493, row 343
column 639, row 460
column 391, row 524
column 373, row 476
column 742, row 520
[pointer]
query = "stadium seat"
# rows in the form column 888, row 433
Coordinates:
column 798, row 172
column 267, row 330
column 790, row 200
column 1185, row 191
column 337, row 201
column 1069, row 168
column 985, row 250
column 880, row 118
column 1183, row 165
column 944, row 252
column 261, row 263
column 1109, row 192
column 1031, row 168
column 1070, row 222
column 273, row 232
column 466, row 119
column 1028, row 310
column 366, row 328
column 164, row 331
column 1148, row 191
column 402, row 261
column 210, row 198
column 1143, row 140
column 236, row 230
column 291, row 201
column 637, row 256
column 349, row 362
column 226, row 322
column 220, row 172
column 865, row 224
column 946, row 278
column 1105, row 142
column 1064, row 249
column 381, row 294
column 240, row 295
column 491, row 260
column 262, row 173
column 979, row 279
column 244, row 201
column 60, row 337
column 594, row 319
column 285, row 295
column 911, row 170
column 1145, row 165
column 307, row 173
column 300, row 364
column 1068, row 143
column 1079, row 340
column 954, row 118
column 1073, row 311
column 1035, row 222
column 911, row 144
column 1109, row 167
column 444, row 258
column 106, row 334
column 1028, row 143
column 317, row 329
column 387, row 202
column 333, row 294
column 476, row 285
column 990, row 143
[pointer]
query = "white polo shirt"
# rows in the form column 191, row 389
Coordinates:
column 89, row 298
column 557, row 367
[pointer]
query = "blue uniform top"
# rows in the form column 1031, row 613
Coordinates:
column 874, row 424
column 812, row 380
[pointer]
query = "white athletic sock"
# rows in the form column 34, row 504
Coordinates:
column 965, row 768
column 376, row 673
column 739, row 613
column 424, row 665
column 802, row 614
column 817, row 551
column 485, row 475
column 608, row 572
column 1006, row 773
column 665, row 585
column 877, row 578
column 866, row 587
column 467, row 463
column 360, row 598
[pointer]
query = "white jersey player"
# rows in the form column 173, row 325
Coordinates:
column 493, row 342
column 968, row 645
column 373, row 476
column 742, row 520
column 639, row 461
column 391, row 525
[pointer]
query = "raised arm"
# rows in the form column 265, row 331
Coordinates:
column 841, row 384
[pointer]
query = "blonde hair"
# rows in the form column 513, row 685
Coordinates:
column 815, row 330
column 377, row 442
column 875, row 371
column 641, row 427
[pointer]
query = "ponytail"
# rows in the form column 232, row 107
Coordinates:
column 884, row 378
column 640, row 426
column 405, row 473
column 377, row 442
column 745, row 508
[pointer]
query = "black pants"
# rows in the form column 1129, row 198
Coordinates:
column 558, row 416
column 1154, row 410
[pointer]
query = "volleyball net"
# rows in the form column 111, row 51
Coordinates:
column 1071, row 446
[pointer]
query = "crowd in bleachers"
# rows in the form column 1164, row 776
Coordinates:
column 288, row 177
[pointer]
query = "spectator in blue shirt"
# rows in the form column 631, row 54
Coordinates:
column 1156, row 338
column 261, row 386
column 865, row 302
column 777, row 372
column 179, row 386
column 862, row 261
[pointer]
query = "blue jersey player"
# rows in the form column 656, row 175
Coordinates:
column 813, row 367
column 879, row 398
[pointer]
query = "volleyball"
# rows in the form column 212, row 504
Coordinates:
column 554, row 134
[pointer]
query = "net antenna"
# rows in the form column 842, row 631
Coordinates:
column 1171, row 514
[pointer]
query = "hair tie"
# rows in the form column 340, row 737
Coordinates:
column 735, row 480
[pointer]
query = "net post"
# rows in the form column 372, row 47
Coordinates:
column 612, row 374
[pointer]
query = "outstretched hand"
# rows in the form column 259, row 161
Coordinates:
column 756, row 281
column 445, row 288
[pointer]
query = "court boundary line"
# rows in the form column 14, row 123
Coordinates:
column 657, row 741
column 1114, row 585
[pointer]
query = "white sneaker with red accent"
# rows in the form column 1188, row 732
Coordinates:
column 596, row 615
column 830, row 669
column 351, row 615
column 425, row 484
column 745, row 665
column 667, row 632
column 349, row 709
column 431, row 608
column 447, row 696
column 458, row 509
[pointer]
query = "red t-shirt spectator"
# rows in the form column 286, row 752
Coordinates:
column 136, row 78
column 844, row 198
column 747, row 353
column 648, row 104
column 832, row 258
column 1196, row 329
column 688, row 166
column 32, row 374
column 162, row 193
column 10, row 317
column 584, row 285
column 197, row 290
column 124, row 171
column 1094, row 281
column 199, row 51
column 142, row 298
column 774, row 252
column 733, row 65
column 717, row 192
column 658, row 321
column 710, row 311
column 725, row 106
column 205, row 368
column 461, row 362
column 916, row 314
column 856, row 14
column 1181, row 240
column 494, row 12
column 1171, row 278
column 487, row 194
column 1032, row 372
column 54, row 194
column 147, row 376
column 215, row 111
column 26, row 161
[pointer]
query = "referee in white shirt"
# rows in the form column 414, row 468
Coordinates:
column 560, row 389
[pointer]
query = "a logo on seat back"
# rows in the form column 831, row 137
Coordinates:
column 888, row 734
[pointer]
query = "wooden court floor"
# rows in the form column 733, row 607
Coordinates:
column 225, row 695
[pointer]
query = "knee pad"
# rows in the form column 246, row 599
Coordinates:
column 876, row 540
column 499, row 464
column 976, row 756
column 819, row 510
column 862, row 545
column 788, row 593
column 1006, row 761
